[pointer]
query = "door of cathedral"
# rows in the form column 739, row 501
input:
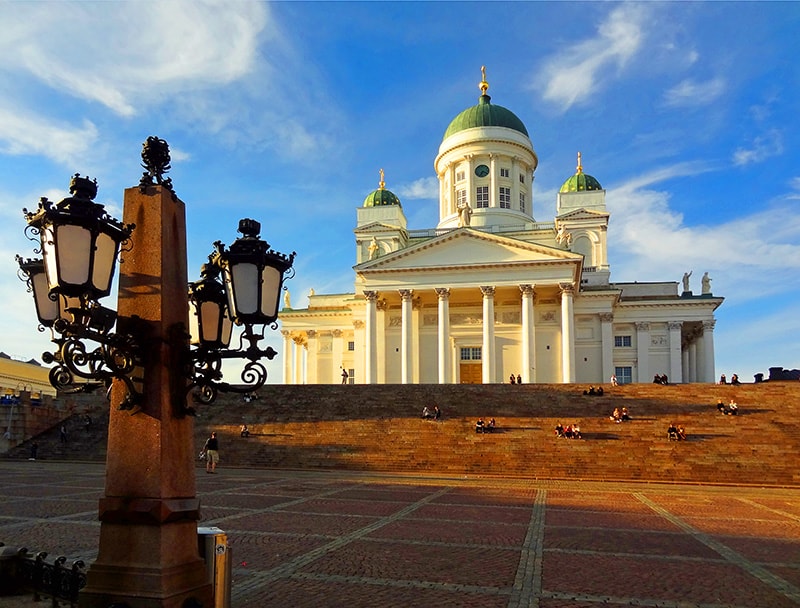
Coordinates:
column 471, row 373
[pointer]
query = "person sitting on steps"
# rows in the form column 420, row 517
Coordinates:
column 244, row 432
column 479, row 425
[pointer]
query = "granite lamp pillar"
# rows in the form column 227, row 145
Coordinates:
column 148, row 554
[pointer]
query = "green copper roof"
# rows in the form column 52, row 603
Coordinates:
column 381, row 197
column 580, row 182
column 485, row 114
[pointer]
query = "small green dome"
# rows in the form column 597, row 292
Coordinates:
column 580, row 182
column 485, row 114
column 381, row 197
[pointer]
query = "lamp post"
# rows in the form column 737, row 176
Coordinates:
column 148, row 554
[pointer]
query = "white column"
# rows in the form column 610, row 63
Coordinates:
column 311, row 357
column 444, row 334
column 685, row 364
column 298, row 360
column 700, row 358
column 675, row 359
column 693, row 361
column 406, row 337
column 494, row 192
column 470, row 185
column 567, row 334
column 607, row 344
column 643, row 352
column 371, row 333
column 528, row 335
column 488, row 367
column 337, row 355
column 287, row 356
column 358, row 358
column 708, row 344
column 515, row 182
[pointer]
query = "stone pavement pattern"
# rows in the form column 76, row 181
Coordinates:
column 362, row 540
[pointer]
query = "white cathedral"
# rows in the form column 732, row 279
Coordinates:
column 490, row 292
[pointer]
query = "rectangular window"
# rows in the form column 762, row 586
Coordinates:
column 622, row 341
column 461, row 198
column 505, row 173
column 482, row 199
column 623, row 374
column 351, row 346
column 522, row 202
column 352, row 376
column 521, row 178
column 505, row 198
column 471, row 353
column 460, row 175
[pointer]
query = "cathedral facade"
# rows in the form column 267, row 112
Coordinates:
column 491, row 292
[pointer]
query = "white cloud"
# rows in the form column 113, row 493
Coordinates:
column 423, row 188
column 572, row 76
column 690, row 93
column 122, row 53
column 763, row 147
column 24, row 133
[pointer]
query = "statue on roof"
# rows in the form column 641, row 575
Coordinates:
column 706, row 283
column 464, row 214
column 373, row 248
column 562, row 236
column 685, row 280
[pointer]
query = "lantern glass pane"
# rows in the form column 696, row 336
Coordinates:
column 49, row 255
column 194, row 330
column 270, row 291
column 210, row 313
column 227, row 328
column 104, row 257
column 245, row 288
column 74, row 250
column 46, row 309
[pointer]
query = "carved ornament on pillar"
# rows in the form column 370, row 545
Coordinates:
column 527, row 290
column 416, row 303
column 381, row 304
column 673, row 325
column 311, row 333
column 606, row 317
column 358, row 324
column 336, row 333
column 487, row 291
column 442, row 292
column 286, row 333
column 708, row 326
column 642, row 326
column 371, row 296
column 406, row 294
column 299, row 340
column 567, row 288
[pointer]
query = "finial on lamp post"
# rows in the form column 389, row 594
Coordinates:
column 156, row 159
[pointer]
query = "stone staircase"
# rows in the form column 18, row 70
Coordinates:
column 378, row 428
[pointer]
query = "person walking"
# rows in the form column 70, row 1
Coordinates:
column 212, row 453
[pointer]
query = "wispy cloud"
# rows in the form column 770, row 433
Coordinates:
column 121, row 54
column 574, row 75
column 23, row 133
column 762, row 147
column 691, row 93
column 423, row 188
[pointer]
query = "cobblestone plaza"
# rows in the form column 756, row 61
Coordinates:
column 357, row 540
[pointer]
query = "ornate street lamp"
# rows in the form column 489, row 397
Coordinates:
column 241, row 286
column 32, row 272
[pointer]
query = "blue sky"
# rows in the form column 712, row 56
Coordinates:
column 686, row 112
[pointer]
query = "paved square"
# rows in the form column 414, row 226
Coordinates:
column 360, row 540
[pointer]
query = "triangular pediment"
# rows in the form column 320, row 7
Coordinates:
column 376, row 227
column 468, row 248
column 583, row 214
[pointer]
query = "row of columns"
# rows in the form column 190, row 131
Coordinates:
column 692, row 362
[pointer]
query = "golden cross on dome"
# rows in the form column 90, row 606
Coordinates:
column 483, row 86
column 382, row 183
column 580, row 166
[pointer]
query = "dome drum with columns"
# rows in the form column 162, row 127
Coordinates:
column 490, row 292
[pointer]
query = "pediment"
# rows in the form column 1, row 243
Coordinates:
column 467, row 248
column 582, row 214
column 376, row 227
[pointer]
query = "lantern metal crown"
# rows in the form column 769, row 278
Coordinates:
column 80, row 245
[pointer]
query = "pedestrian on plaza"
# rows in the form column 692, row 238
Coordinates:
column 62, row 435
column 211, row 448
column 345, row 376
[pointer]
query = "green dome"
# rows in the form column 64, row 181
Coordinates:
column 580, row 182
column 485, row 114
column 381, row 197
